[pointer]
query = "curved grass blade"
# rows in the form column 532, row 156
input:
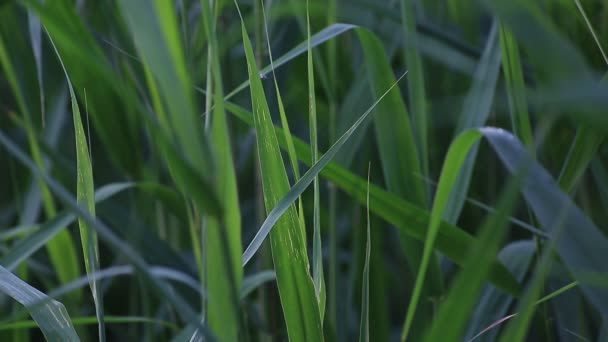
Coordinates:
column 475, row 112
column 453, row 242
column 296, row 290
column 578, row 241
column 51, row 318
column 455, row 157
column 454, row 312
column 85, row 197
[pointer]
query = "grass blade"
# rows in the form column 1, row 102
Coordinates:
column 51, row 318
column 223, row 240
column 449, row 323
column 475, row 112
column 364, row 325
column 296, row 289
column 85, row 197
column 514, row 78
column 317, row 257
column 573, row 233
column 455, row 157
column 453, row 242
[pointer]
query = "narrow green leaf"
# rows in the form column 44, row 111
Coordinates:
column 455, row 157
column 364, row 325
column 454, row 312
column 85, row 196
column 475, row 112
column 223, row 240
column 494, row 304
column 183, row 307
column 252, row 282
column 578, row 242
column 416, row 84
column 317, row 256
column 453, row 242
column 513, row 72
column 51, row 318
column 296, row 289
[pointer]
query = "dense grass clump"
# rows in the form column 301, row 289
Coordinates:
column 303, row 170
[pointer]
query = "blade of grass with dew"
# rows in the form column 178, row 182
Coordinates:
column 415, row 82
column 61, row 249
column 85, row 196
column 398, row 152
column 296, row 289
column 475, row 112
column 317, row 256
column 364, row 324
column 573, row 233
column 455, row 157
column 494, row 304
column 454, row 311
column 52, row 318
column 223, row 240
column 182, row 307
column 514, row 78
column 451, row 241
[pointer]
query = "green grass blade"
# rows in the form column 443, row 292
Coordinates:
column 183, row 307
column 154, row 29
column 223, row 240
column 61, row 249
column 285, row 203
column 315, row 40
column 455, row 157
column 399, row 155
column 573, row 233
column 454, row 312
column 51, row 318
column 514, row 78
column 317, row 256
column 296, row 289
column 453, row 242
column 416, row 84
column 475, row 112
column 364, row 325
column 76, row 321
column 494, row 304
column 291, row 152
column 85, row 196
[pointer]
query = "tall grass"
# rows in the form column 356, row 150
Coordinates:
column 426, row 170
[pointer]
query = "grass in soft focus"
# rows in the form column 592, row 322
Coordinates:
column 303, row 170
